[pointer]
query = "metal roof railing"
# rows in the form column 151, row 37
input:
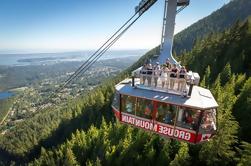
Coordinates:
column 163, row 81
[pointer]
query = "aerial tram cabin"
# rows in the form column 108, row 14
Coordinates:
column 173, row 107
column 167, row 112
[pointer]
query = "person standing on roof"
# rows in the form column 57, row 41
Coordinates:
column 164, row 76
column 143, row 74
column 182, row 79
column 156, row 73
column 173, row 76
column 149, row 74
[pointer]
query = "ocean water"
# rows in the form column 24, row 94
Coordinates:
column 51, row 58
column 5, row 95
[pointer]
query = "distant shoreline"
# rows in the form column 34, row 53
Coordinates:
column 4, row 53
column 50, row 58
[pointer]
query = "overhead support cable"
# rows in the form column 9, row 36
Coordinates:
column 100, row 48
column 97, row 54
column 97, row 57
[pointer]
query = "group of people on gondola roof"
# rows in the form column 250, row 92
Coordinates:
column 168, row 74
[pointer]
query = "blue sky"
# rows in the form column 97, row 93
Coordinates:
column 67, row 25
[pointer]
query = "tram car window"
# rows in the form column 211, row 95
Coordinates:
column 145, row 108
column 161, row 111
column 165, row 113
column 188, row 118
column 128, row 104
column 208, row 123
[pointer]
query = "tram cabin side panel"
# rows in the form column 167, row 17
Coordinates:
column 191, row 125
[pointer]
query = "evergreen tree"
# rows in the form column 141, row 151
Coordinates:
column 45, row 159
column 69, row 159
column 217, row 89
column 164, row 156
column 245, row 154
column 182, row 157
column 242, row 111
column 203, row 82
column 206, row 78
column 239, row 82
column 226, row 74
column 98, row 162
column 219, row 151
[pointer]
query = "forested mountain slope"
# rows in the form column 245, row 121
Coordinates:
column 53, row 126
column 116, row 144
column 72, row 133
column 236, row 10
column 232, row 47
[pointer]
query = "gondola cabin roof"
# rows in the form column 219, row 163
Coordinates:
column 200, row 98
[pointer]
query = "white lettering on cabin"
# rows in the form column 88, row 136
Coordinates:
column 187, row 136
column 169, row 131
column 155, row 127
column 182, row 135
column 131, row 120
column 142, row 124
column 176, row 133
column 124, row 118
column 138, row 122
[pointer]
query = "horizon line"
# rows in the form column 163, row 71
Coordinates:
column 56, row 51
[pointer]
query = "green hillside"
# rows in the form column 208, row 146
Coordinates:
column 4, row 108
column 236, row 10
column 84, row 131
column 116, row 144
column 232, row 47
